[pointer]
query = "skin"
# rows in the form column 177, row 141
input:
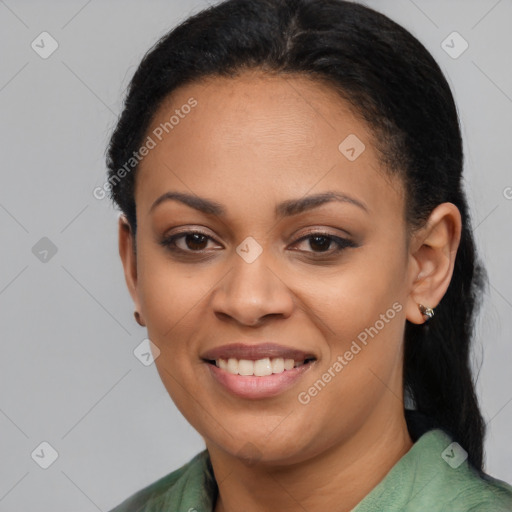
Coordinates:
column 250, row 143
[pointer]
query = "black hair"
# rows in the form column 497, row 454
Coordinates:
column 395, row 85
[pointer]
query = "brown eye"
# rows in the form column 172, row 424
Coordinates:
column 195, row 241
column 187, row 242
column 321, row 243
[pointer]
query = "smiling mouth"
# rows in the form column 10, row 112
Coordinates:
column 259, row 367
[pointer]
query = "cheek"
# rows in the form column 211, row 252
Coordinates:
column 354, row 295
column 360, row 309
column 170, row 292
column 172, row 296
column 363, row 369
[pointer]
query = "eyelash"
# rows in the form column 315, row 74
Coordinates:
column 169, row 243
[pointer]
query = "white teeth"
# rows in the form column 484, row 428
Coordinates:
column 278, row 365
column 258, row 368
column 245, row 367
column 232, row 366
column 262, row 367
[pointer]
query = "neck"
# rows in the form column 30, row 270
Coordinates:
column 337, row 479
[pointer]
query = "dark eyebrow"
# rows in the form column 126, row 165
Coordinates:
column 203, row 205
column 284, row 209
column 296, row 206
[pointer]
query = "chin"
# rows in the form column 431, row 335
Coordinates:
column 255, row 448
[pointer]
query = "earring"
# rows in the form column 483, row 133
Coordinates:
column 426, row 311
column 136, row 314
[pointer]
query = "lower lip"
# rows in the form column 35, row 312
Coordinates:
column 258, row 387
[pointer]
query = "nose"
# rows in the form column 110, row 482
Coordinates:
column 252, row 292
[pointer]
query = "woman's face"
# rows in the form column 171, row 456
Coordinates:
column 321, row 279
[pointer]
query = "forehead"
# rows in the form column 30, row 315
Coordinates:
column 276, row 136
column 287, row 115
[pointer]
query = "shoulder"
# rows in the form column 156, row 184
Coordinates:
column 456, row 485
column 479, row 492
column 192, row 481
column 465, row 487
column 435, row 475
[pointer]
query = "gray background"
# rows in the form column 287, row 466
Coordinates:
column 68, row 373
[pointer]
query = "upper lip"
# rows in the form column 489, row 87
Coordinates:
column 255, row 352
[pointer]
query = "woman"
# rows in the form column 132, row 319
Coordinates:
column 296, row 239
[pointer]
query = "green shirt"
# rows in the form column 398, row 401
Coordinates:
column 432, row 476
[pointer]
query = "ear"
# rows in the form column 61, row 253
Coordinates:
column 433, row 249
column 128, row 257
